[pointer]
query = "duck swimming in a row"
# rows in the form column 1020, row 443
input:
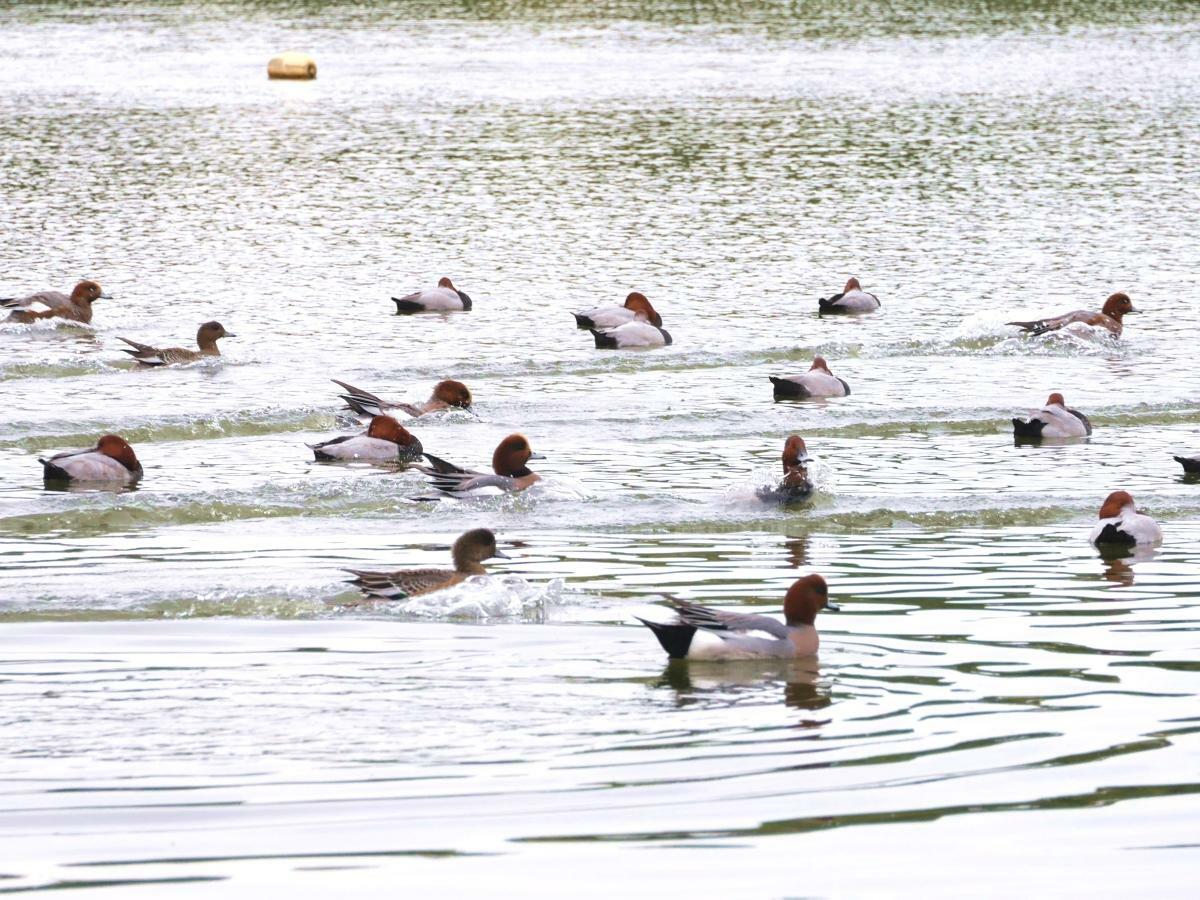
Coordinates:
column 510, row 465
column 76, row 306
column 1116, row 307
column 206, row 339
column 818, row 381
column 852, row 299
column 447, row 394
column 386, row 440
column 730, row 636
column 1122, row 525
column 443, row 298
column 111, row 460
column 469, row 553
column 1054, row 420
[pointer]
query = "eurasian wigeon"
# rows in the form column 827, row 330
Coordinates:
column 1116, row 307
column 206, row 337
column 852, row 299
column 446, row 395
column 818, row 381
column 794, row 637
column 510, row 463
column 794, row 485
column 77, row 306
column 1121, row 524
column 632, row 334
column 112, row 459
column 1054, row 420
column 469, row 552
column 1191, row 464
column 636, row 308
column 386, row 440
column 443, row 298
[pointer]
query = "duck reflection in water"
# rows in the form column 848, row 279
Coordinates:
column 729, row 684
column 1118, row 561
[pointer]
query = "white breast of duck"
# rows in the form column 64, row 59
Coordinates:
column 1121, row 524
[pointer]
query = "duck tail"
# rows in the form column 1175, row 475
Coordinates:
column 604, row 340
column 362, row 402
column 1189, row 465
column 1028, row 430
column 404, row 305
column 787, row 388
column 1037, row 327
column 676, row 638
column 51, row 472
column 582, row 321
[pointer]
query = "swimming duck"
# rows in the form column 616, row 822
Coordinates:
column 446, row 395
column 1191, row 464
column 818, row 381
column 632, row 334
column 636, row 308
column 54, row 305
column 112, row 459
column 795, row 636
column 1116, row 307
column 852, row 299
column 509, row 462
column 207, row 337
column 470, row 550
column 385, row 440
column 794, row 485
column 1120, row 523
column 443, row 298
column 1054, row 420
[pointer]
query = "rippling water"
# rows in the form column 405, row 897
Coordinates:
column 188, row 698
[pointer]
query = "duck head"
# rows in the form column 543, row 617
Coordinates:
column 1056, row 399
column 385, row 428
column 852, row 285
column 452, row 393
column 819, row 365
column 1116, row 503
column 1118, row 305
column 794, row 452
column 209, row 333
column 512, row 456
column 637, row 302
column 88, row 292
column 475, row 546
column 116, row 447
column 805, row 598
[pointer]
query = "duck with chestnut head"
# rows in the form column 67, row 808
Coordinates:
column 817, row 382
column 636, row 308
column 111, row 460
column 75, row 307
column 1054, row 420
column 510, row 472
column 852, row 299
column 443, row 298
column 1121, row 525
column 1110, row 318
column 384, row 441
column 701, row 633
column 447, row 394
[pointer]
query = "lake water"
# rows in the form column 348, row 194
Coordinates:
column 187, row 703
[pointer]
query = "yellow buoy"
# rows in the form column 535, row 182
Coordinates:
column 292, row 64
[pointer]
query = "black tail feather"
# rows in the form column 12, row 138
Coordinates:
column 582, row 321
column 1114, row 536
column 407, row 306
column 1189, row 465
column 1028, row 431
column 785, row 388
column 676, row 638
column 603, row 340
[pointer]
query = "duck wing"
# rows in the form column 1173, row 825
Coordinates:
column 715, row 620
column 402, row 583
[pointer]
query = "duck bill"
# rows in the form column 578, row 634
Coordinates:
column 537, row 456
column 832, row 607
column 499, row 555
column 104, row 296
column 1132, row 310
column 228, row 334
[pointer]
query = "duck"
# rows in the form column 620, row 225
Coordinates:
column 112, row 459
column 206, row 337
column 1191, row 464
column 632, row 334
column 795, row 637
column 795, row 484
column 1116, row 307
column 77, row 306
column 818, row 381
column 443, row 298
column 636, row 308
column 446, row 394
column 385, row 440
column 852, row 299
column 1054, row 420
column 469, row 553
column 1121, row 524
column 510, row 462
